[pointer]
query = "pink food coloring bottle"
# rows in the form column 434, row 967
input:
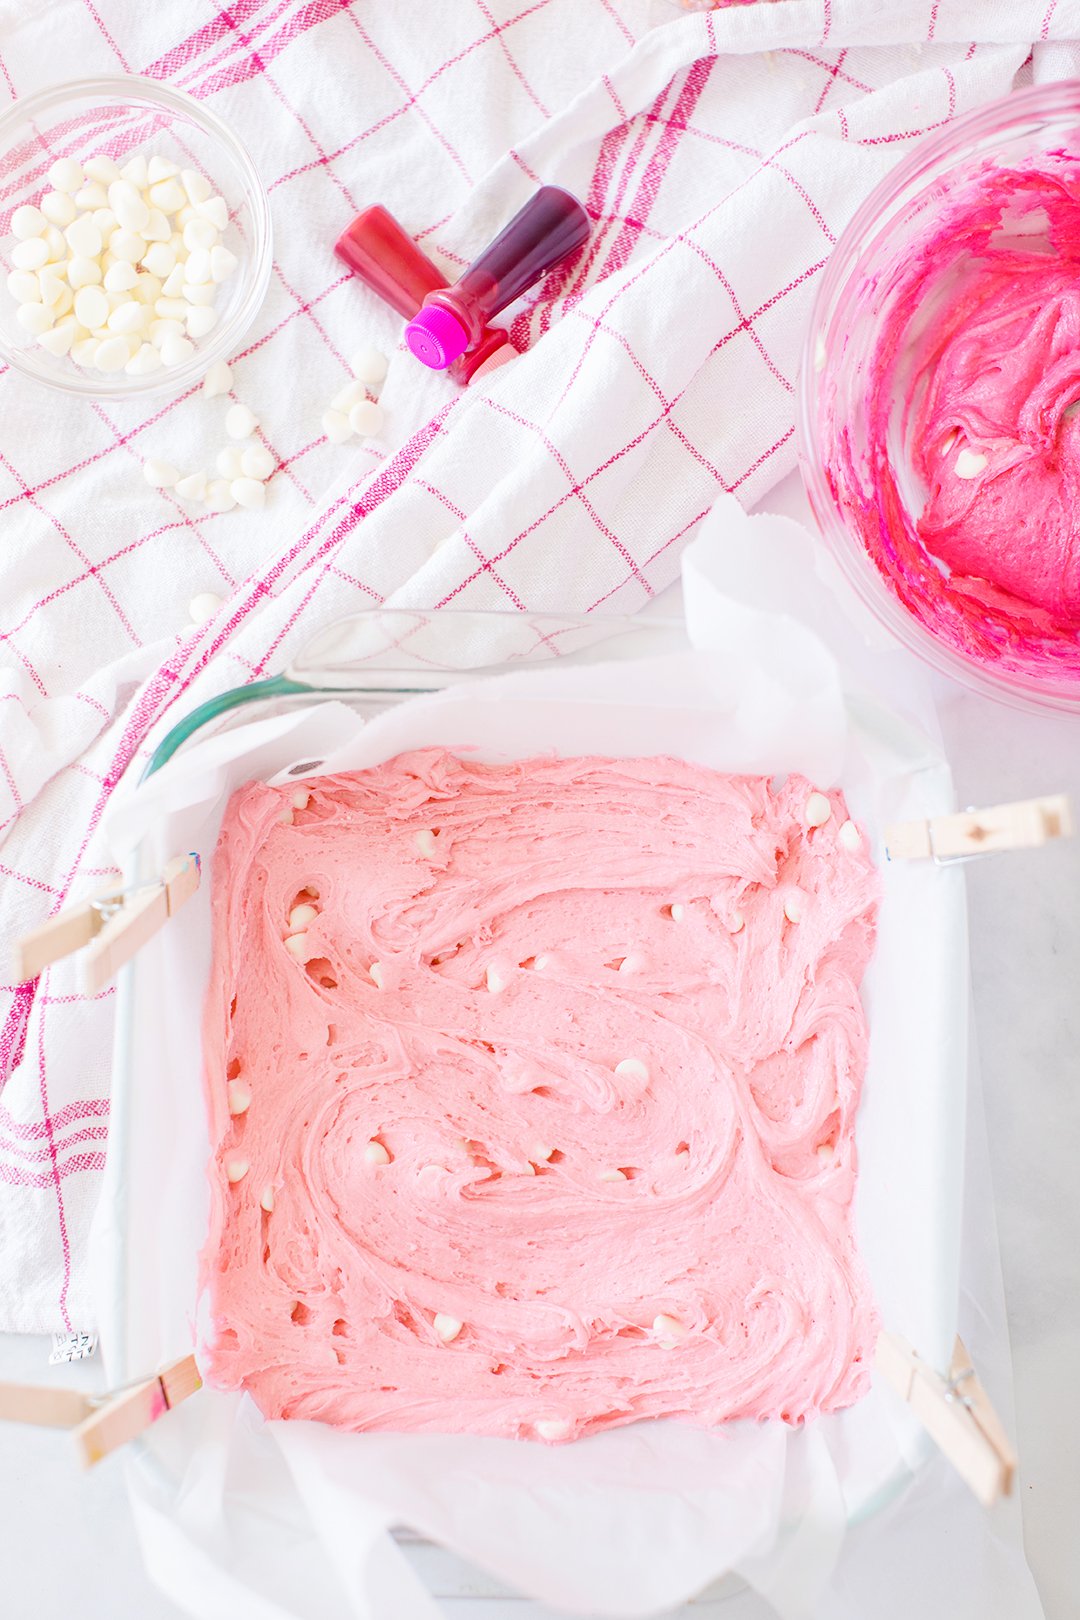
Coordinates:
column 549, row 228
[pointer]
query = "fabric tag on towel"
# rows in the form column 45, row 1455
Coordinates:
column 76, row 1346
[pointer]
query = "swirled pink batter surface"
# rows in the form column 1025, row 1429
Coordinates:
column 551, row 1100
column 963, row 476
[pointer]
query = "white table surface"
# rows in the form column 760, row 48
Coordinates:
column 69, row 1546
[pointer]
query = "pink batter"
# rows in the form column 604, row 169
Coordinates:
column 975, row 369
column 552, row 1098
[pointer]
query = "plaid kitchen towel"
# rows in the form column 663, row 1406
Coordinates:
column 719, row 153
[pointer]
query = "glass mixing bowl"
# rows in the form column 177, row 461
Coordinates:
column 872, row 311
column 121, row 116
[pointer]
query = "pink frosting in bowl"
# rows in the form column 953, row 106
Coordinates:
column 939, row 431
column 532, row 1093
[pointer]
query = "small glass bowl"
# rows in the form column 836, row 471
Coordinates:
column 121, row 116
column 859, row 480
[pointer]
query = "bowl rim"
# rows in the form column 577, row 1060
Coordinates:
column 133, row 89
column 931, row 156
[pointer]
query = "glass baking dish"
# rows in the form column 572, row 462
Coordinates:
column 380, row 655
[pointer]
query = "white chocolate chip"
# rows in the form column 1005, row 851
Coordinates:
column 219, row 496
column 240, row 423
column 58, row 339
column 66, row 175
column 970, row 463
column 266, row 1198
column 237, row 1169
column 215, row 210
column 201, row 298
column 83, row 273
column 611, row 1175
column 228, row 462
column 159, row 259
column 91, row 307
column 145, row 360
column 58, row 208
column 668, row 1330
column 159, row 168
column 495, row 981
column 127, row 245
column 366, row 418
column 24, row 287
column 120, row 277
column 736, row 922
column 296, row 944
column 196, row 186
column 425, row 843
column 102, row 169
column 826, row 1152
column 347, row 397
column 197, row 268
column 633, row 962
column 677, row 912
column 31, row 254
column 300, row 916
column 539, row 1153
column 369, row 365
column 135, row 170
column 112, row 355
column 335, row 425
column 127, row 318
column 239, row 1097
column 375, row 1153
column 793, row 906
column 34, row 318
column 193, row 487
column 249, row 493
column 157, row 229
column 173, row 285
column 850, row 836
column 168, row 195
column 633, row 1069
column 285, row 817
column 447, row 1327
column 817, row 810
column 553, row 1428
column 256, row 461
column 92, row 197
column 160, row 474
column 301, row 799
column 28, row 221
column 175, row 350
column 222, row 263
column 201, row 320
column 218, row 380
column 199, row 234
column 375, row 973
column 54, row 241
column 204, row 606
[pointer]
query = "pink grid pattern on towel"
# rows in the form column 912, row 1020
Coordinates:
column 719, row 153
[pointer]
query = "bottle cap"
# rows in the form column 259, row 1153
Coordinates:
column 436, row 337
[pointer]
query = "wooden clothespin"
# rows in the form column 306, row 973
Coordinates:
column 114, row 925
column 102, row 1423
column 1023, row 825
column 955, row 1412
